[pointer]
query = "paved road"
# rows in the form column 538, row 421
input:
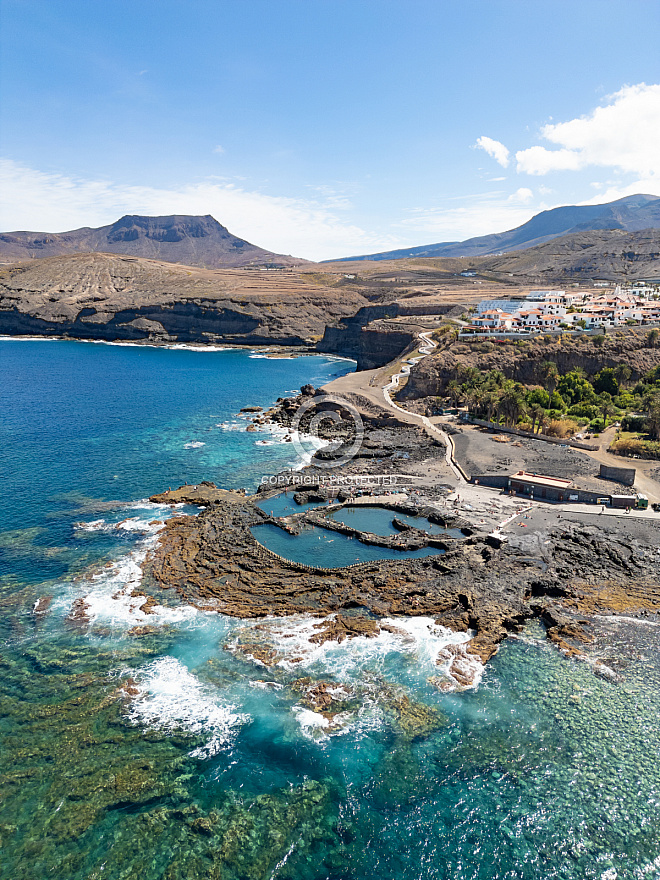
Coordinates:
column 359, row 383
column 643, row 481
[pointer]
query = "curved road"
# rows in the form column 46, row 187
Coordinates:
column 358, row 383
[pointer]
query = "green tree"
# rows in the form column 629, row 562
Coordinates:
column 606, row 407
column 652, row 404
column 574, row 388
column 454, row 392
column 496, row 379
column 605, row 381
column 537, row 412
column 490, row 403
column 538, row 397
column 512, row 403
column 474, row 399
column 622, row 374
column 549, row 375
column 471, row 377
column 653, row 336
column 557, row 401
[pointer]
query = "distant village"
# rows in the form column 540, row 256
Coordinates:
column 560, row 310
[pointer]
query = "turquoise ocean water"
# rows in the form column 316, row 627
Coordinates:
column 145, row 746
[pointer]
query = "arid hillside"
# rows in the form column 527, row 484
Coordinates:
column 107, row 296
column 177, row 238
column 581, row 257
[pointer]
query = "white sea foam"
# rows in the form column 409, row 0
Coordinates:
column 108, row 594
column 170, row 698
column 174, row 346
column 109, row 601
column 310, row 721
column 194, row 444
column 272, row 356
column 362, row 666
column 29, row 338
column 265, row 685
column 184, row 347
column 95, row 525
column 417, row 637
column 133, row 524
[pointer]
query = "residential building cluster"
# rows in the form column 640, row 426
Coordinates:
column 546, row 310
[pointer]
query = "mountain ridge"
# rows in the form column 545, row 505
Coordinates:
column 193, row 240
column 630, row 213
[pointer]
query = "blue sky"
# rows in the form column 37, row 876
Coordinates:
column 323, row 127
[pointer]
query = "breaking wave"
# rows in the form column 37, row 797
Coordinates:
column 170, row 698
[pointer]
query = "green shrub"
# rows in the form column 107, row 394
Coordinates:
column 584, row 411
column 562, row 428
column 634, row 424
column 642, row 448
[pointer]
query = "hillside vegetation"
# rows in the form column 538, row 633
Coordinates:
column 559, row 385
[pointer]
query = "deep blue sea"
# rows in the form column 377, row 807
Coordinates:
column 139, row 746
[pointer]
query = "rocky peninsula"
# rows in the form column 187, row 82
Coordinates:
column 512, row 561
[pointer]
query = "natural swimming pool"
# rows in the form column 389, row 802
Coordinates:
column 378, row 521
column 328, row 549
column 284, row 505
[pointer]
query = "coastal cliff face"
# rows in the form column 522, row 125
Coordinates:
column 372, row 338
column 102, row 296
column 521, row 360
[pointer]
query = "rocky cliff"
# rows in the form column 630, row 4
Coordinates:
column 521, row 360
column 110, row 297
column 373, row 338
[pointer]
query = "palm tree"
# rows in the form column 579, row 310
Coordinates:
column 606, row 407
column 512, row 404
column 496, row 379
column 537, row 413
column 652, row 403
column 622, row 374
column 490, row 402
column 472, row 377
column 550, row 376
column 454, row 392
column 474, row 399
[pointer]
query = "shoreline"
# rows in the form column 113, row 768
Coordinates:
column 272, row 351
column 560, row 569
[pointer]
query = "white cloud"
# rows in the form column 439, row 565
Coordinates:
column 623, row 134
column 495, row 149
column 538, row 160
column 522, row 196
column 219, row 149
column 38, row 201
